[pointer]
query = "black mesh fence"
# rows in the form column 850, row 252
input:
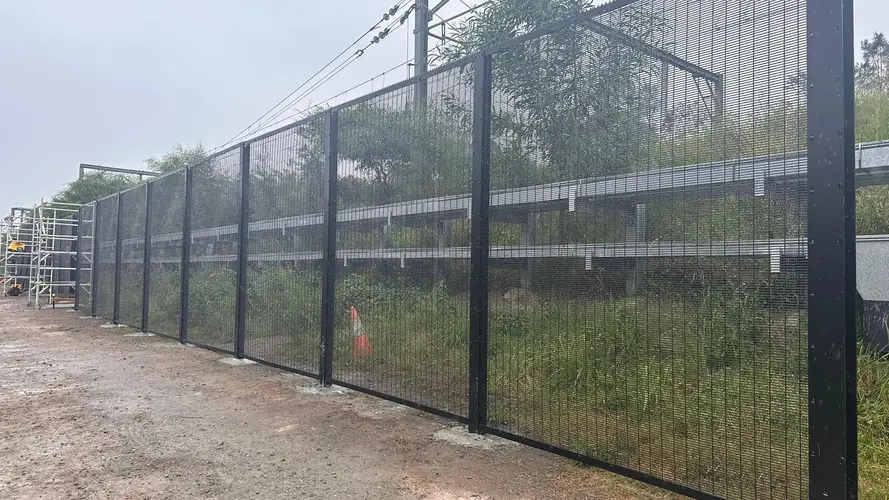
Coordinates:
column 165, row 258
column 402, row 291
column 592, row 239
column 86, row 220
column 214, row 248
column 104, row 260
column 647, row 296
column 132, row 233
column 286, row 232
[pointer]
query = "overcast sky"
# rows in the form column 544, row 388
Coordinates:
column 114, row 82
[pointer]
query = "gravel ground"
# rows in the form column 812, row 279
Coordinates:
column 91, row 412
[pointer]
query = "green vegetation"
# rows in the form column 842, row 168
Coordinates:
column 94, row 185
column 164, row 299
column 211, row 305
column 284, row 316
column 873, row 424
column 131, row 293
column 872, row 124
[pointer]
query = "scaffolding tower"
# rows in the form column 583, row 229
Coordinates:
column 53, row 254
column 18, row 230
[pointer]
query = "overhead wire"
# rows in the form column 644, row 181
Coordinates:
column 386, row 16
column 306, row 111
column 360, row 52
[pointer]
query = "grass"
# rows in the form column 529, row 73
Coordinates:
column 687, row 390
column 873, row 424
column 284, row 316
column 707, row 389
column 211, row 306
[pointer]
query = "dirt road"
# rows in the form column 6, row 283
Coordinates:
column 92, row 412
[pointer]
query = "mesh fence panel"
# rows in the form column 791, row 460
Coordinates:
column 402, row 236
column 106, row 231
column 132, row 233
column 214, row 248
column 286, row 232
column 167, row 211
column 647, row 284
column 85, row 259
column 647, row 296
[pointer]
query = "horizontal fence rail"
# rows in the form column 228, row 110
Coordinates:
column 597, row 238
column 752, row 175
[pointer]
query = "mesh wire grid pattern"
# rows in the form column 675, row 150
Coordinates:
column 132, row 233
column 286, row 233
column 165, row 258
column 655, row 319
column 410, row 333
column 85, row 257
column 214, row 246
column 647, row 277
column 106, row 233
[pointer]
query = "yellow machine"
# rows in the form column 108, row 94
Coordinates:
column 16, row 246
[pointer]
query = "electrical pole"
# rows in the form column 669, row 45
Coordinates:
column 421, row 48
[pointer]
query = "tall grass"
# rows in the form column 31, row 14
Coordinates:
column 872, row 217
column 872, row 124
column 211, row 305
column 284, row 316
column 164, row 299
column 873, row 423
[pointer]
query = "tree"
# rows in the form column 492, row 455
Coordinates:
column 92, row 186
column 404, row 154
column 95, row 185
column 287, row 172
column 573, row 102
column 180, row 157
column 872, row 73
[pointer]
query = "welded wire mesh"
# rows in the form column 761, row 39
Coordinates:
column 165, row 258
column 286, row 233
column 132, row 233
column 85, row 255
column 402, row 236
column 647, row 274
column 106, row 234
column 644, row 311
column 214, row 248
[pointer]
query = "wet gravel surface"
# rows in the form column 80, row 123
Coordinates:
column 92, row 412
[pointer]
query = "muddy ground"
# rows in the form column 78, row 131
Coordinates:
column 92, row 412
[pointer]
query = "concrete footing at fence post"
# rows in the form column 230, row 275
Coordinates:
column 460, row 436
column 237, row 361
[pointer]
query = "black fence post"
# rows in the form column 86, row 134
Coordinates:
column 478, row 286
column 328, row 283
column 833, row 463
column 243, row 241
column 118, row 249
column 78, row 256
column 186, row 256
column 146, row 255
column 94, row 264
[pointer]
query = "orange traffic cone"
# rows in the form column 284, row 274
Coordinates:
column 360, row 343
